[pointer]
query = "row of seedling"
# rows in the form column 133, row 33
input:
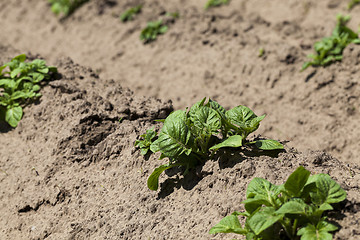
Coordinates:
column 327, row 51
column 293, row 210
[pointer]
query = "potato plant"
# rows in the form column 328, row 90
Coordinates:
column 294, row 210
column 352, row 3
column 215, row 3
column 146, row 141
column 65, row 7
column 129, row 14
column 19, row 83
column 152, row 30
column 190, row 137
column 330, row 49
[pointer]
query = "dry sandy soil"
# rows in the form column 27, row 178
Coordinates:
column 70, row 171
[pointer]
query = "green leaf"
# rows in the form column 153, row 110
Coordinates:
column 328, row 191
column 252, row 204
column 37, row 77
column 244, row 118
column 229, row 224
column 296, row 182
column 325, row 207
column 154, row 147
column 175, row 137
column 218, row 108
column 144, row 151
column 153, row 180
column 36, row 88
column 44, row 70
column 1, row 69
column 320, row 232
column 196, row 106
column 13, row 115
column 8, row 83
column 232, row 141
column 15, row 72
column 264, row 219
column 215, row 3
column 18, row 95
column 20, row 58
column 206, row 120
column 294, row 206
column 147, row 140
column 129, row 14
column 163, row 29
column 268, row 144
column 152, row 30
column 262, row 189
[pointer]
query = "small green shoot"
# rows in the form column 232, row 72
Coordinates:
column 19, row 83
column 189, row 138
column 352, row 3
column 261, row 52
column 295, row 208
column 330, row 49
column 65, row 7
column 152, row 30
column 174, row 15
column 215, row 3
column 129, row 14
column 144, row 144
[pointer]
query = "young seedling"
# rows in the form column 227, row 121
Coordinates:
column 152, row 30
column 352, row 3
column 174, row 15
column 293, row 209
column 19, row 83
column 330, row 49
column 129, row 14
column 188, row 138
column 144, row 144
column 261, row 52
column 65, row 7
column 215, row 3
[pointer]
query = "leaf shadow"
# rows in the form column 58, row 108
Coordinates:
column 5, row 127
column 229, row 157
column 226, row 158
column 342, row 209
column 188, row 182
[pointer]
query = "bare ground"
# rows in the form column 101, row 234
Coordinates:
column 70, row 171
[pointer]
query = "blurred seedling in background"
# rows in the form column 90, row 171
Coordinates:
column 352, row 3
column 19, row 84
column 215, row 3
column 174, row 15
column 155, row 28
column 65, row 7
column 129, row 14
column 261, row 52
column 330, row 49
column 152, row 30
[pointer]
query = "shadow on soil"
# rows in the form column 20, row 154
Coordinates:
column 4, row 127
column 226, row 159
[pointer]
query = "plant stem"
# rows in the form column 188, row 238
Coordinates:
column 294, row 227
column 287, row 227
